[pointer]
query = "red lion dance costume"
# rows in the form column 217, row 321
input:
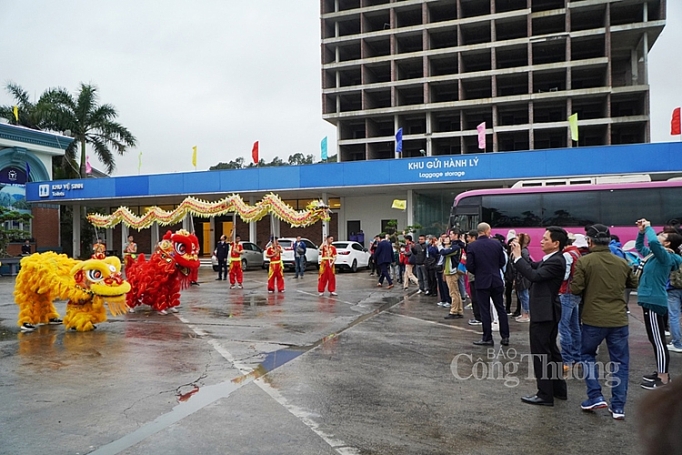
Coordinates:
column 158, row 282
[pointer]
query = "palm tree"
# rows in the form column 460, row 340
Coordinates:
column 31, row 115
column 90, row 124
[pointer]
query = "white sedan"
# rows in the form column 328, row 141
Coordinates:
column 350, row 256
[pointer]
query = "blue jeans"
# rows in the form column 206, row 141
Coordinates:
column 617, row 344
column 674, row 303
column 443, row 291
column 420, row 271
column 299, row 263
column 569, row 328
column 524, row 297
column 462, row 287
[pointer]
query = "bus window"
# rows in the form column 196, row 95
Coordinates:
column 465, row 223
column 671, row 208
column 575, row 208
column 502, row 211
column 624, row 207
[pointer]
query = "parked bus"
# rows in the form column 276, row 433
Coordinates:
column 531, row 209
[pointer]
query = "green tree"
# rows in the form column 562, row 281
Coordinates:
column 12, row 234
column 235, row 164
column 90, row 124
column 298, row 159
column 31, row 115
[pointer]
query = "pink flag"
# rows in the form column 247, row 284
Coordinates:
column 481, row 136
column 88, row 168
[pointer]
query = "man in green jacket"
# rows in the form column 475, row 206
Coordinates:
column 601, row 278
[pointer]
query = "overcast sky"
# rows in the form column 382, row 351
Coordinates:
column 218, row 74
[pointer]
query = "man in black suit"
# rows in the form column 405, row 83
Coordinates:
column 546, row 277
column 486, row 259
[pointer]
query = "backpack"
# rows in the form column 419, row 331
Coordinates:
column 676, row 278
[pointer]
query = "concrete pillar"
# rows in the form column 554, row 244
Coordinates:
column 124, row 237
column 429, row 144
column 211, row 235
column 325, row 224
column 341, row 219
column 76, row 223
column 338, row 137
column 410, row 207
column 154, row 231
column 253, row 231
column 645, row 55
column 109, row 233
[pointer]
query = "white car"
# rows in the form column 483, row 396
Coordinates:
column 350, row 255
column 311, row 253
column 252, row 257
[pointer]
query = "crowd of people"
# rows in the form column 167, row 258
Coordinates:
column 576, row 294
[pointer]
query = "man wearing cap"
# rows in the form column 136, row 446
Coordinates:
column 601, row 278
column 546, row 277
column 486, row 259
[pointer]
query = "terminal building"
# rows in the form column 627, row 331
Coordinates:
column 436, row 69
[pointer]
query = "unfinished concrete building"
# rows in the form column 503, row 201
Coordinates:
column 439, row 68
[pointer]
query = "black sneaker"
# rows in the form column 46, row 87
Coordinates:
column 55, row 321
column 650, row 377
column 652, row 385
column 26, row 327
column 474, row 322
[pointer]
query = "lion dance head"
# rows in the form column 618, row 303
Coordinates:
column 180, row 250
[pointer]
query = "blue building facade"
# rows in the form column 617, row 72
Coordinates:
column 364, row 189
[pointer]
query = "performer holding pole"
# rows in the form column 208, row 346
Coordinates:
column 236, row 272
column 276, row 270
column 327, row 276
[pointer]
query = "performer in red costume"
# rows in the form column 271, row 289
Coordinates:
column 236, row 272
column 276, row 270
column 327, row 276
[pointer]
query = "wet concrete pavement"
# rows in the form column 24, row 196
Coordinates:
column 246, row 372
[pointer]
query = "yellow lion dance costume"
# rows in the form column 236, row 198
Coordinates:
column 87, row 285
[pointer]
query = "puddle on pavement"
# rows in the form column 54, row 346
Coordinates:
column 197, row 398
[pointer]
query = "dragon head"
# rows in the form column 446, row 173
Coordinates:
column 101, row 277
column 320, row 209
column 182, row 248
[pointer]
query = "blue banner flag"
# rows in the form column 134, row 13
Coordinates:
column 323, row 147
column 28, row 171
column 399, row 143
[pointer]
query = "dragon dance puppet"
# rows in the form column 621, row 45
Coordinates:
column 158, row 282
column 87, row 285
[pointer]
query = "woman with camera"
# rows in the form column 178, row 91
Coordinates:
column 660, row 259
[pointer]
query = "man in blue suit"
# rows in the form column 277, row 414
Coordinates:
column 384, row 256
column 486, row 259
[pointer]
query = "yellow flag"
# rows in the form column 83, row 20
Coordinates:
column 399, row 204
column 139, row 162
column 16, row 113
column 194, row 156
column 573, row 124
